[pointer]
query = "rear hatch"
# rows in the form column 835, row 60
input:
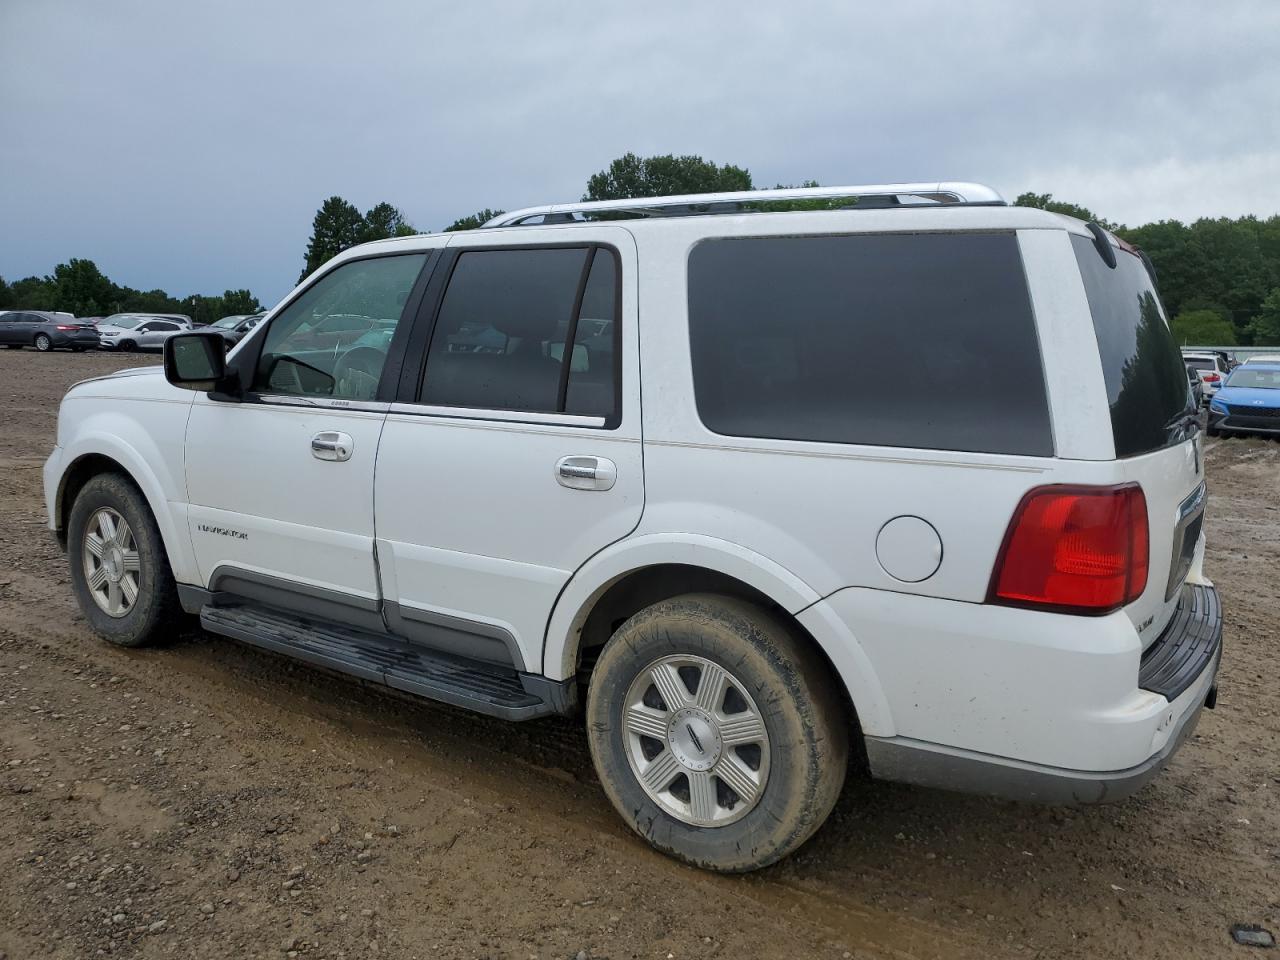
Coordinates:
column 1154, row 419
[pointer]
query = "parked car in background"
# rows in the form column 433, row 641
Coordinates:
column 1263, row 358
column 46, row 331
column 130, row 332
column 1249, row 401
column 985, row 585
column 233, row 329
column 179, row 318
column 1211, row 367
column 1197, row 390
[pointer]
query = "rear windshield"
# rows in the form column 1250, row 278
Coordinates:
column 900, row 340
column 1145, row 374
column 1200, row 364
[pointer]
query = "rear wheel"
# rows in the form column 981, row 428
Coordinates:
column 43, row 343
column 716, row 733
column 119, row 570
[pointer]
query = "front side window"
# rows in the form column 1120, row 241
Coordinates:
column 506, row 317
column 333, row 340
column 899, row 340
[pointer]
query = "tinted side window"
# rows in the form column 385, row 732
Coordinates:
column 333, row 340
column 924, row 340
column 500, row 335
column 1142, row 365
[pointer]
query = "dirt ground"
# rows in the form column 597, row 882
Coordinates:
column 207, row 800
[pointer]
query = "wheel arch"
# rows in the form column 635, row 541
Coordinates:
column 123, row 460
column 633, row 575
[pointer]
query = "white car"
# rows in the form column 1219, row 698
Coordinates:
column 1212, row 369
column 130, row 332
column 627, row 469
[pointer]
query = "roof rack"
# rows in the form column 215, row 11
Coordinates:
column 751, row 201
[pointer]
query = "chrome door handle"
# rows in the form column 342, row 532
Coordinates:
column 586, row 473
column 332, row 445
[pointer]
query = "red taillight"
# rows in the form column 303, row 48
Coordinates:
column 1211, row 378
column 63, row 326
column 1074, row 549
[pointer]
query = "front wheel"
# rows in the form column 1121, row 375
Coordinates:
column 43, row 343
column 128, row 346
column 119, row 570
column 716, row 733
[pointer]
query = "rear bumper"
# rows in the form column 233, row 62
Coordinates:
column 1181, row 666
column 62, row 338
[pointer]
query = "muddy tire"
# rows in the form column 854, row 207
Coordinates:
column 119, row 569
column 128, row 346
column 716, row 732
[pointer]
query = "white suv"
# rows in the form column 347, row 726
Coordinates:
column 623, row 458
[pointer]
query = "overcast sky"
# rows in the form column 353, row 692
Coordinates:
column 187, row 146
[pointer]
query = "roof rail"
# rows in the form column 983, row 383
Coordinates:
column 746, row 201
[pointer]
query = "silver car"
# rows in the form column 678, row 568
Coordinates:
column 130, row 332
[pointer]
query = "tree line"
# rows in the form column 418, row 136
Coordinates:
column 80, row 288
column 1219, row 277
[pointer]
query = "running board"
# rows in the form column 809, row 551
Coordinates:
column 385, row 659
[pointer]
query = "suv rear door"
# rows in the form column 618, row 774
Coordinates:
column 1154, row 421
column 510, row 459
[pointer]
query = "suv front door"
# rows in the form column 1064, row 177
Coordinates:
column 514, row 452
column 281, row 484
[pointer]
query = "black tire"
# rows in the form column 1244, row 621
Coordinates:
column 128, row 346
column 805, row 719
column 156, row 609
column 43, row 343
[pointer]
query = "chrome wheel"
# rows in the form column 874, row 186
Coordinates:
column 43, row 343
column 696, row 740
column 111, row 563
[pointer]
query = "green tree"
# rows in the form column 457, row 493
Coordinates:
column 1045, row 201
column 79, row 287
column 477, row 219
column 7, row 299
column 337, row 226
column 33, row 293
column 1266, row 325
column 385, row 221
column 632, row 176
column 1203, row 328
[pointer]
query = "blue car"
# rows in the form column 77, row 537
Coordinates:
column 1249, row 402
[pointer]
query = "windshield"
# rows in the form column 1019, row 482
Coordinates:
column 1143, row 368
column 1263, row 378
column 226, row 322
column 1200, row 364
column 124, row 323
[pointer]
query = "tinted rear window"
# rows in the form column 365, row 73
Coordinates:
column 923, row 340
column 1145, row 374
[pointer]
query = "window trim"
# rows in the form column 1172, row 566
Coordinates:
column 408, row 398
column 245, row 366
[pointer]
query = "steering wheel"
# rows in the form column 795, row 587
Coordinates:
column 357, row 372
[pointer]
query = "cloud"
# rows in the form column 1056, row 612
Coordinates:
column 187, row 146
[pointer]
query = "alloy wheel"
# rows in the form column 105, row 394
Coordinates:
column 696, row 741
column 112, row 567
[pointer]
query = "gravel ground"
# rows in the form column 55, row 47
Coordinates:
column 207, row 800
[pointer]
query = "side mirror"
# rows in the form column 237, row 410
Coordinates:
column 195, row 361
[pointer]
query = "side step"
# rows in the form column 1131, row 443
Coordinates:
column 382, row 659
